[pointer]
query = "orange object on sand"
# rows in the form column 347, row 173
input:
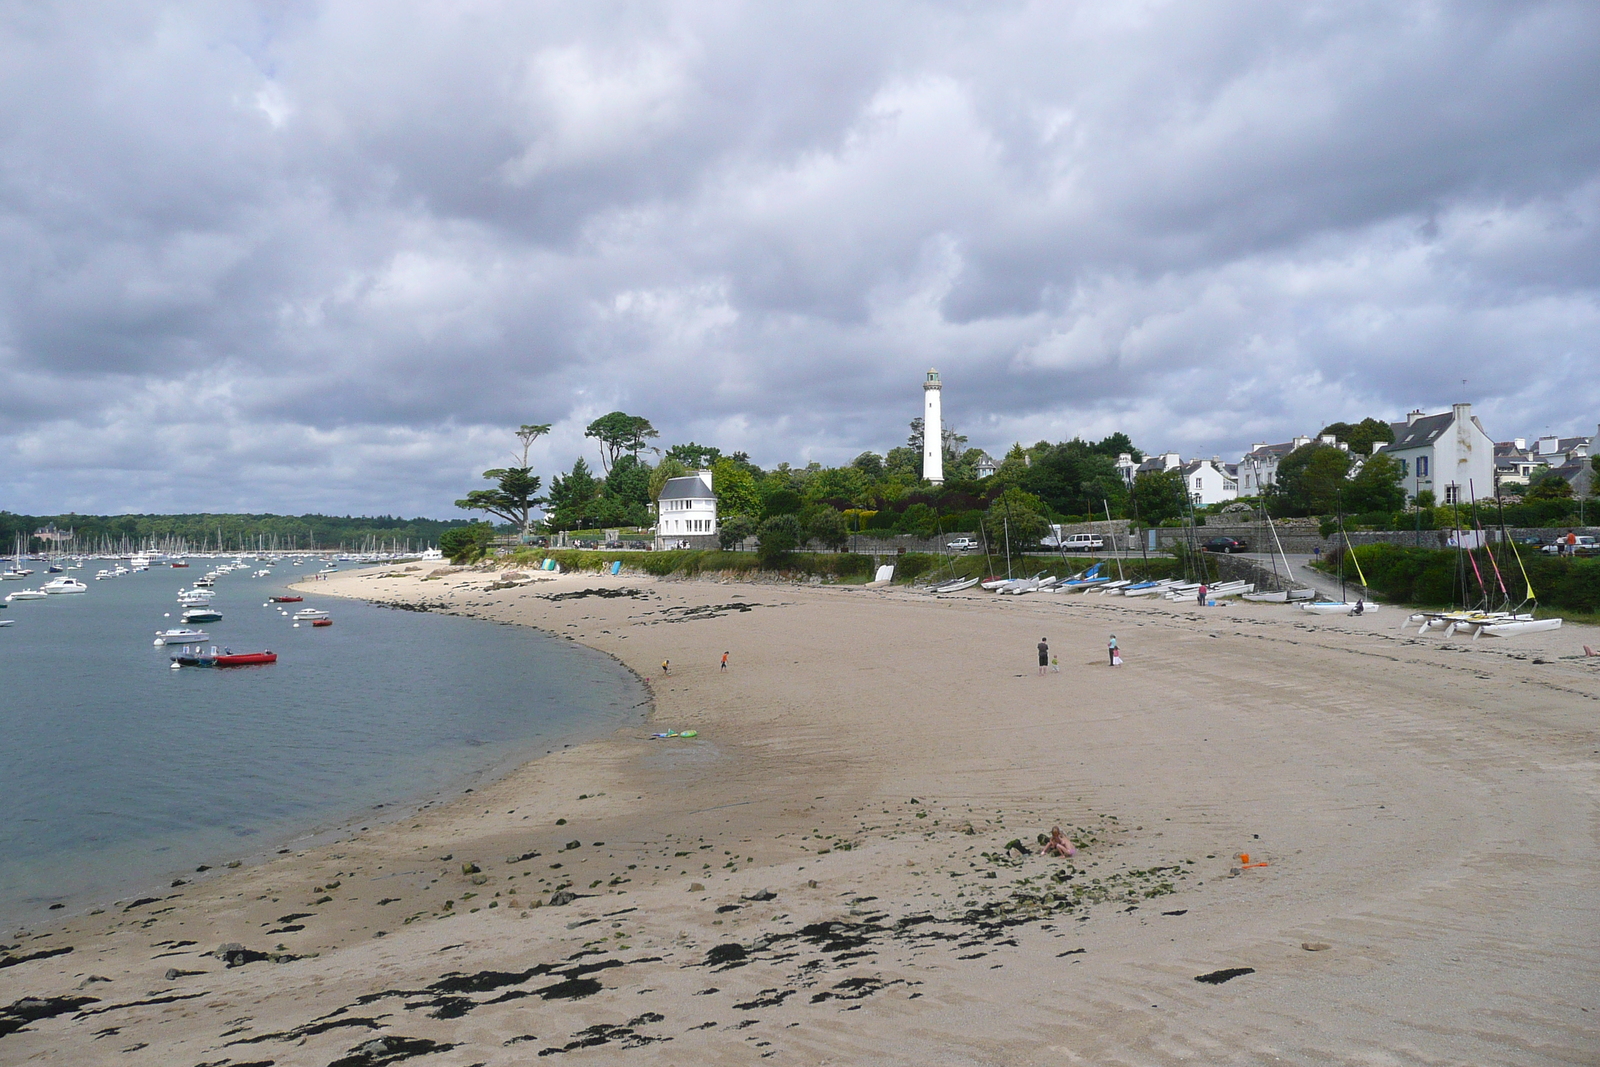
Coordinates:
column 1245, row 864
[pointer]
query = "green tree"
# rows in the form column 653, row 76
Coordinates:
column 669, row 467
column 619, row 432
column 516, row 491
column 734, row 529
column 694, row 457
column 1309, row 480
column 513, row 498
column 777, row 537
column 1377, row 486
column 837, row 483
column 466, row 544
column 918, row 520
column 904, row 463
column 571, row 498
column 782, row 500
column 870, row 464
column 735, row 488
column 1548, row 485
column 1014, row 519
column 1360, row 436
column 625, row 497
column 1159, row 496
column 825, row 525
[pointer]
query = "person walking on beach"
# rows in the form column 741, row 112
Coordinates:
column 724, row 661
column 1044, row 656
column 1111, row 649
column 1055, row 663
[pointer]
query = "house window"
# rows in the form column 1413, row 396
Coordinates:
column 1452, row 494
column 1422, row 466
column 1198, row 483
column 1405, row 468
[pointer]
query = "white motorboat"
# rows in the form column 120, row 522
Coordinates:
column 195, row 596
column 201, row 614
column 65, row 585
column 26, row 594
column 180, row 636
column 13, row 574
column 307, row 614
column 7, row 622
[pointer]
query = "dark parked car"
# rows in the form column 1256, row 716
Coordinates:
column 1225, row 544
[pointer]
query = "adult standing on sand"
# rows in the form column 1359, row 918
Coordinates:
column 1201, row 596
column 1044, row 655
column 1111, row 649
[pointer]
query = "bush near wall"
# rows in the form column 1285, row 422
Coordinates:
column 689, row 562
column 1431, row 577
column 848, row 566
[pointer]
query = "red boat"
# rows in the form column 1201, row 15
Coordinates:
column 321, row 622
column 225, row 659
column 286, row 599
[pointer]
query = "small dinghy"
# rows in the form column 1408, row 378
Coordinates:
column 286, row 599
column 321, row 622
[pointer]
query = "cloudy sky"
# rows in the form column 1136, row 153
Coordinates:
column 325, row 255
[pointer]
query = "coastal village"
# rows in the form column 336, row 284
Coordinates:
column 826, row 535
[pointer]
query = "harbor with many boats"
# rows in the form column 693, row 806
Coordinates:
column 120, row 766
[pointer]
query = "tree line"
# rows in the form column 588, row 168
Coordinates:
column 224, row 532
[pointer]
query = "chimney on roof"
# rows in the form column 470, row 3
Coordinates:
column 1462, row 412
column 1521, row 444
column 1413, row 415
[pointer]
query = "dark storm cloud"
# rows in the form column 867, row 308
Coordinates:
column 337, row 250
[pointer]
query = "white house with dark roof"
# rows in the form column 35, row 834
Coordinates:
column 1259, row 466
column 1210, row 481
column 686, row 513
column 1448, row 454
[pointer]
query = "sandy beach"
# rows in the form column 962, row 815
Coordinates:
column 828, row 872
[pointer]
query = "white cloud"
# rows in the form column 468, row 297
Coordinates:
column 343, row 249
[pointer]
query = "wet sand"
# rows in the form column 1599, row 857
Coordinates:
column 1426, row 810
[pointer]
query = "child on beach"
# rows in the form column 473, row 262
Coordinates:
column 1055, row 663
column 666, row 667
column 1044, row 656
column 724, row 661
column 1111, row 648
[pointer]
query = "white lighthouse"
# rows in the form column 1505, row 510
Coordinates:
column 932, row 431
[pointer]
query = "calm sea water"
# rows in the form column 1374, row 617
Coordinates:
column 117, row 772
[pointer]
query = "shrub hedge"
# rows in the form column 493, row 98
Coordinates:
column 1431, row 577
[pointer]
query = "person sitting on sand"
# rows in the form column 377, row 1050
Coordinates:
column 1044, row 656
column 1360, row 608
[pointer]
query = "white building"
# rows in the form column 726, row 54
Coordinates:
column 1448, row 454
column 932, row 430
column 1210, row 481
column 686, row 513
column 1259, row 467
